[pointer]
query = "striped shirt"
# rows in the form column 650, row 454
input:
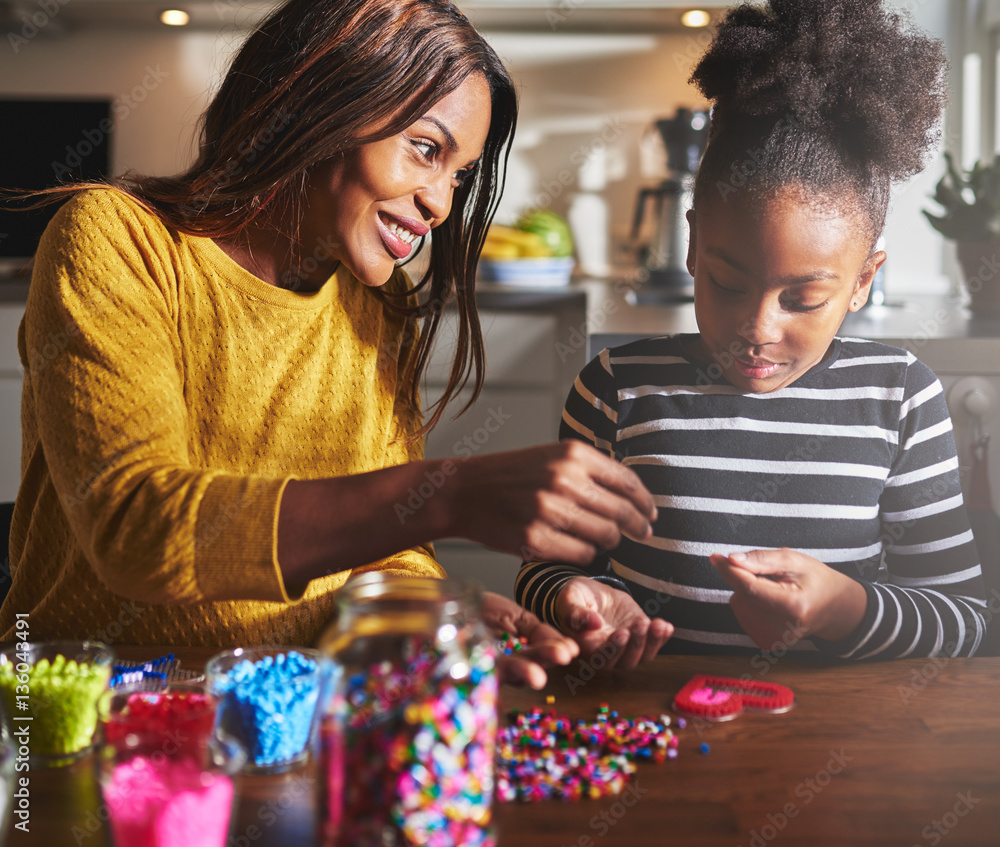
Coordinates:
column 853, row 464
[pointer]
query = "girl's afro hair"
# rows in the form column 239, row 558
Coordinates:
column 847, row 70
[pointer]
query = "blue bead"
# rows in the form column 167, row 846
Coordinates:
column 705, row 749
column 270, row 706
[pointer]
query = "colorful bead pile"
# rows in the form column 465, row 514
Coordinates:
column 184, row 718
column 269, row 706
column 168, row 803
column 412, row 762
column 509, row 644
column 62, row 703
column 542, row 755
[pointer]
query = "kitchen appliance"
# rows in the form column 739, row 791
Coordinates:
column 664, row 258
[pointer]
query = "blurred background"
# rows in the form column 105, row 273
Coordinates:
column 594, row 76
column 103, row 86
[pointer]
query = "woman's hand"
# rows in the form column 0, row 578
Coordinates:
column 546, row 646
column 596, row 614
column 780, row 596
column 559, row 501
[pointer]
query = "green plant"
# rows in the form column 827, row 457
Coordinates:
column 971, row 202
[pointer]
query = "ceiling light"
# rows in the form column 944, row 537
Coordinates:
column 176, row 17
column 696, row 18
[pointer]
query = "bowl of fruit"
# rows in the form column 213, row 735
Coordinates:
column 537, row 252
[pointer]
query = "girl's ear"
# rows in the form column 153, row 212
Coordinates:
column 863, row 287
column 692, row 243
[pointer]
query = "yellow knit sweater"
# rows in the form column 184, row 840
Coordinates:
column 169, row 395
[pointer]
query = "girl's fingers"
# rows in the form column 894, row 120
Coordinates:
column 738, row 577
column 635, row 646
column 584, row 620
column 658, row 635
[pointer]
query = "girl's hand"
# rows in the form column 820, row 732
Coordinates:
column 546, row 646
column 780, row 596
column 558, row 501
column 596, row 614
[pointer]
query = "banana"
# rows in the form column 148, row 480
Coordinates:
column 504, row 242
column 499, row 250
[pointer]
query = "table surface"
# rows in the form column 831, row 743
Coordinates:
column 900, row 753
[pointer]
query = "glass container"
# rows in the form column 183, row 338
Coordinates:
column 408, row 728
column 268, row 700
column 168, row 794
column 57, row 685
column 161, row 717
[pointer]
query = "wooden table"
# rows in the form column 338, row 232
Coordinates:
column 900, row 753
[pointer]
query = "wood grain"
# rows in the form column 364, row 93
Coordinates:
column 876, row 754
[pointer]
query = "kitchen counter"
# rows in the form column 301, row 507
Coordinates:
column 919, row 323
column 925, row 324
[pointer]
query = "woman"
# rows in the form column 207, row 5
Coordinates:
column 789, row 466
column 235, row 414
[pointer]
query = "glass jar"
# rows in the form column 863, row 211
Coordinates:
column 409, row 723
column 170, row 795
column 268, row 699
column 164, row 718
column 50, row 690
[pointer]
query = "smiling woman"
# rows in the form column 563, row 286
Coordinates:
column 377, row 199
column 235, row 417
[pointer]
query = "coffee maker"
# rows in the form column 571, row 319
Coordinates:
column 664, row 259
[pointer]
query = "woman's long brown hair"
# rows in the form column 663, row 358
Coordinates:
column 308, row 84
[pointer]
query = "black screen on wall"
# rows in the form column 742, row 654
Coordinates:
column 45, row 143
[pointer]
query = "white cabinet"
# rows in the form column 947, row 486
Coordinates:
column 532, row 357
column 11, row 379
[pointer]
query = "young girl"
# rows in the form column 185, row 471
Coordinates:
column 233, row 413
column 788, row 465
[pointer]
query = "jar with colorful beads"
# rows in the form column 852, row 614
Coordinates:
column 409, row 723
column 50, row 690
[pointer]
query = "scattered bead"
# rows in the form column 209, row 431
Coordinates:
column 550, row 699
column 704, row 749
column 681, row 723
column 542, row 755
column 509, row 644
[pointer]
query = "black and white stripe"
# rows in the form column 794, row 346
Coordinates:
column 853, row 464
